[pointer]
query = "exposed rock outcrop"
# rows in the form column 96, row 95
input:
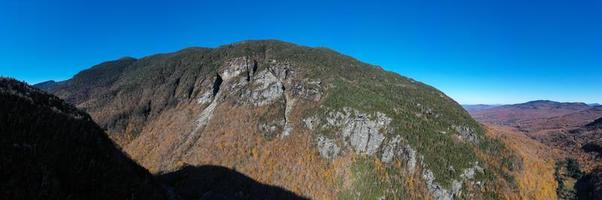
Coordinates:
column 467, row 134
column 328, row 147
column 362, row 132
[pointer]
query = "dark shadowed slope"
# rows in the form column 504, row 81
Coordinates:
column 595, row 124
column 590, row 186
column 51, row 150
column 215, row 182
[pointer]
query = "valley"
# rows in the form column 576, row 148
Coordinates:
column 571, row 130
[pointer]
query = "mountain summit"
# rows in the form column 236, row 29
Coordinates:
column 311, row 120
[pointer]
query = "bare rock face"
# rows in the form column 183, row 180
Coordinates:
column 467, row 134
column 363, row 132
column 390, row 150
column 441, row 193
column 438, row 192
column 396, row 149
column 328, row 147
column 308, row 89
column 266, row 89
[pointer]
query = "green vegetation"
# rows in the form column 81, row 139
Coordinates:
column 422, row 115
column 573, row 169
column 372, row 180
column 567, row 172
column 366, row 182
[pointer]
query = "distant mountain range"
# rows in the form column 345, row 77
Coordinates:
column 565, row 126
column 472, row 108
column 518, row 113
column 573, row 129
column 479, row 107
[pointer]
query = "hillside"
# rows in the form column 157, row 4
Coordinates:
column 563, row 122
column 569, row 127
column 573, row 131
column 310, row 120
column 51, row 150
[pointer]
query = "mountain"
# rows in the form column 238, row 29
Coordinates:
column 516, row 114
column 478, row 107
column 310, row 120
column 573, row 120
column 51, row 150
column 47, row 85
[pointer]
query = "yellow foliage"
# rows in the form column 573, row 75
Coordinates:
column 535, row 179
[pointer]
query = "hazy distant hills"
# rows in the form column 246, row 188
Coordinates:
column 478, row 107
column 565, row 126
column 573, row 129
column 310, row 120
column 517, row 113
column 537, row 115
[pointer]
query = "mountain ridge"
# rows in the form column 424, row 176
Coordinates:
column 259, row 104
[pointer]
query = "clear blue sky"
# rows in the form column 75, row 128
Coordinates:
column 481, row 51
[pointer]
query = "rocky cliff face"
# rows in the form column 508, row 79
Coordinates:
column 307, row 119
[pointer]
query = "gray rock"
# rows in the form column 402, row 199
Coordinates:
column 308, row 89
column 467, row 134
column 361, row 131
column 311, row 122
column 440, row 193
column 271, row 129
column 328, row 148
column 435, row 189
column 390, row 150
column 280, row 70
column 290, row 103
column 265, row 89
column 395, row 149
column 234, row 68
column 470, row 173
column 409, row 155
column 205, row 98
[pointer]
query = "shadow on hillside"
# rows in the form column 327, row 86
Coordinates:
column 215, row 182
column 590, row 186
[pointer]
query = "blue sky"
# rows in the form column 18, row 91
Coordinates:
column 475, row 51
